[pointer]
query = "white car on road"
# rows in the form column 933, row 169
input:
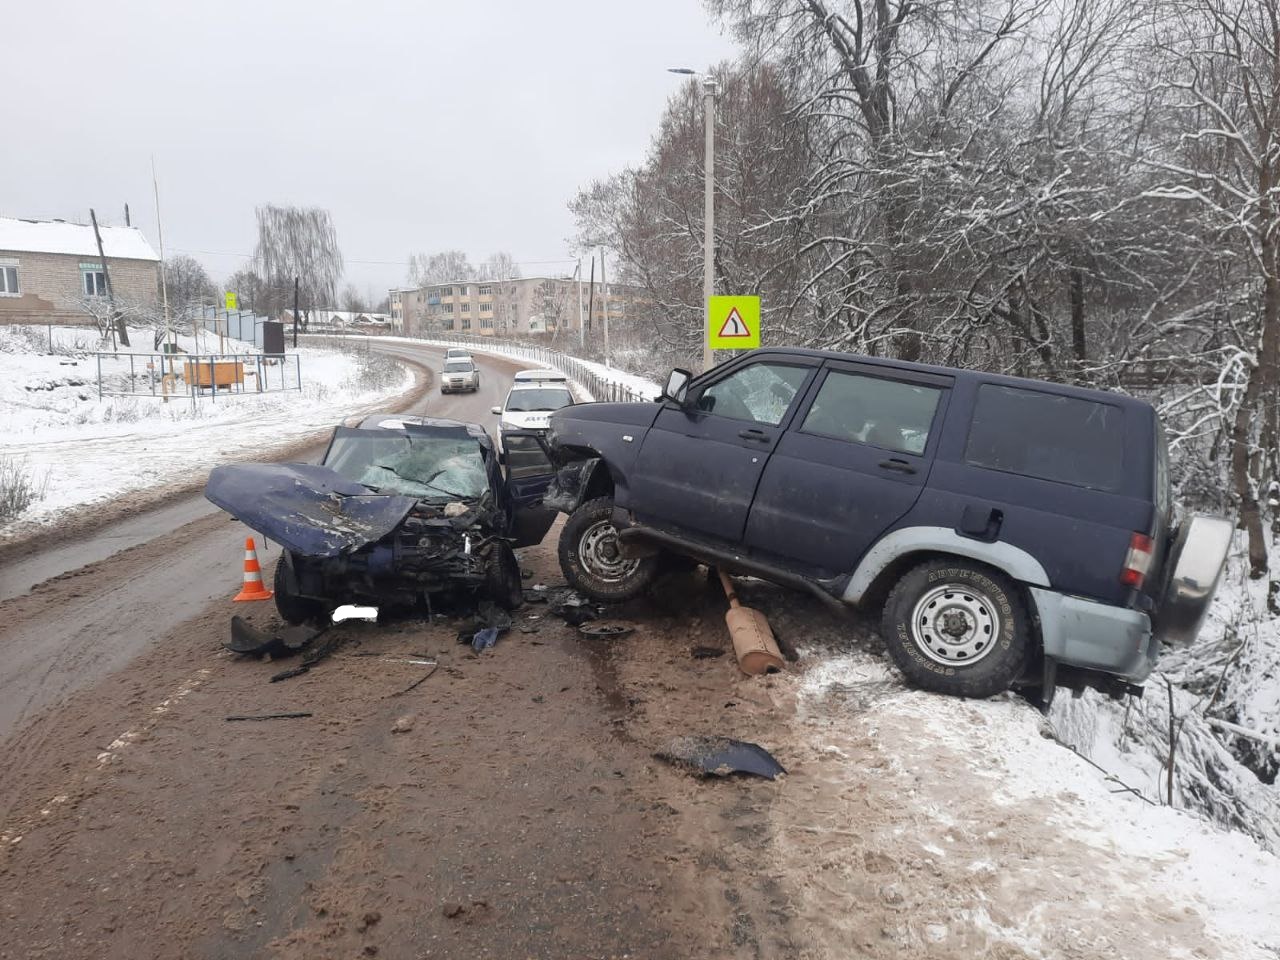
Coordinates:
column 534, row 396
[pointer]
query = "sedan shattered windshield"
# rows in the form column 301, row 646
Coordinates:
column 427, row 467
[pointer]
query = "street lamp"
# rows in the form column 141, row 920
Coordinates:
column 708, row 205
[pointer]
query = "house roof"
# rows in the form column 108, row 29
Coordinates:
column 76, row 239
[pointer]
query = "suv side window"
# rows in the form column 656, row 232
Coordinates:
column 760, row 393
column 1047, row 436
column 883, row 413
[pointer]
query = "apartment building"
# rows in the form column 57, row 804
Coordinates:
column 504, row 307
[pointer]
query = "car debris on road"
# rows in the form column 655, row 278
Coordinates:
column 720, row 756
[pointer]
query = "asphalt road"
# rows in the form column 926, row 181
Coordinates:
column 99, row 601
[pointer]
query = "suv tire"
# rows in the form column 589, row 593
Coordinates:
column 590, row 558
column 957, row 627
column 291, row 607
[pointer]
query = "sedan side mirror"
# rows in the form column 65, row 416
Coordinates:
column 677, row 386
column 497, row 411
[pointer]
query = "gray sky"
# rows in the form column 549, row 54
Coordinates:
column 420, row 126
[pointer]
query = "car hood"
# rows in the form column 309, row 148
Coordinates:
column 309, row 510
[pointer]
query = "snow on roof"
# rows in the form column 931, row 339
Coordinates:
column 59, row 236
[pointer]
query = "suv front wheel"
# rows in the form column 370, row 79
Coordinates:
column 957, row 627
column 591, row 555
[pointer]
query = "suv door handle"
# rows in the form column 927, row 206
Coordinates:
column 901, row 466
column 757, row 435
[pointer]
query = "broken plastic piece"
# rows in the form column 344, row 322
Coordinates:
column 484, row 639
column 606, row 631
column 721, row 756
column 350, row 611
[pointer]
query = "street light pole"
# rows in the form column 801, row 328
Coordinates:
column 708, row 213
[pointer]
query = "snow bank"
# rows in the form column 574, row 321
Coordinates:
column 91, row 449
column 960, row 828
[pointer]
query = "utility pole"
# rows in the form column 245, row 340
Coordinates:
column 604, row 300
column 591, row 293
column 708, row 204
column 582, row 326
column 117, row 319
column 164, row 282
column 295, row 313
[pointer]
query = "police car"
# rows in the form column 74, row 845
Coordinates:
column 534, row 396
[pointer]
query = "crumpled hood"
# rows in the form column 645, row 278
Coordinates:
column 307, row 509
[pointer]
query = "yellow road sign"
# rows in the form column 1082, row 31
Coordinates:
column 231, row 301
column 735, row 323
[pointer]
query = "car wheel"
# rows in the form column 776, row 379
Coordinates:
column 957, row 627
column 591, row 555
column 291, row 607
column 505, row 584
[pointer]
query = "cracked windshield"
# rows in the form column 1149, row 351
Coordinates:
column 425, row 467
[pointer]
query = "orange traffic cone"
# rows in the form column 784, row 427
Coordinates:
column 254, row 588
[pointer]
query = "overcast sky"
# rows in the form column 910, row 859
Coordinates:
column 420, row 126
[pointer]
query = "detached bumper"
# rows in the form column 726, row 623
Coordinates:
column 1095, row 636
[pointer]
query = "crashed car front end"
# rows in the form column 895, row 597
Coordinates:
column 391, row 516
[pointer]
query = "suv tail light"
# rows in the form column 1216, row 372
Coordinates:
column 1137, row 561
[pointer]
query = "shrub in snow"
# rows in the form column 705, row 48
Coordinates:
column 19, row 488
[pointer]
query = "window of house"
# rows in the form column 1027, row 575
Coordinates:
column 9, row 279
column 486, row 323
column 463, row 291
column 872, row 410
column 466, row 306
column 466, row 323
column 445, row 291
column 447, row 308
column 485, row 291
column 486, row 307
column 93, row 281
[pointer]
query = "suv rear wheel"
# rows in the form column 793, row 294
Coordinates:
column 591, row 555
column 957, row 627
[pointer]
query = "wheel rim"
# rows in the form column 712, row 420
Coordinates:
column 601, row 553
column 955, row 625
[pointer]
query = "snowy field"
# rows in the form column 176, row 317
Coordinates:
column 78, row 449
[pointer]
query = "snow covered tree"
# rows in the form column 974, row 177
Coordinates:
column 297, row 244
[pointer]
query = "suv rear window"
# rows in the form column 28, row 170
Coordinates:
column 1034, row 434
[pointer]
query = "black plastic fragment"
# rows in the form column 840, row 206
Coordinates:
column 720, row 757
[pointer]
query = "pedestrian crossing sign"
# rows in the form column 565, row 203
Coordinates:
column 734, row 323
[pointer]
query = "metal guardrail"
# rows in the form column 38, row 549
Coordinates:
column 166, row 375
column 597, row 386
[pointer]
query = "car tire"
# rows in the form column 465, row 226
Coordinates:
column 291, row 607
column 506, row 586
column 590, row 558
column 957, row 627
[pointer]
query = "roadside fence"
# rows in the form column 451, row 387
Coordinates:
column 599, row 387
column 197, row 376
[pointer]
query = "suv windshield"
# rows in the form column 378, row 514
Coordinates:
column 538, row 399
column 458, row 366
column 431, row 468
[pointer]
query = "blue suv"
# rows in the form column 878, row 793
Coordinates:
column 1008, row 530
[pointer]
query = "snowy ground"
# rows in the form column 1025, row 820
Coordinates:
column 84, row 450
column 954, row 828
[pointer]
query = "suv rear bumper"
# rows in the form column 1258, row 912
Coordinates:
column 1095, row 636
